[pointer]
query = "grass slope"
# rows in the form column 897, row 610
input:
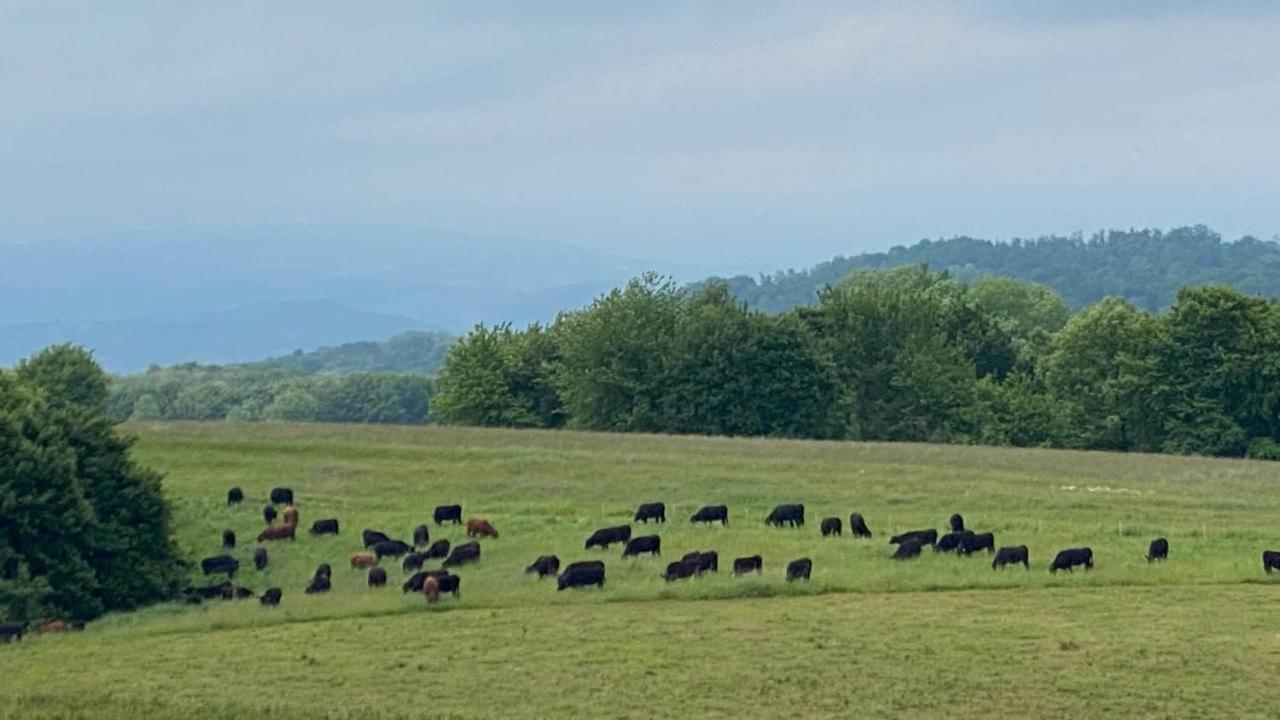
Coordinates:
column 939, row 636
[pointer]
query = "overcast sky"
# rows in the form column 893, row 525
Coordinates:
column 736, row 134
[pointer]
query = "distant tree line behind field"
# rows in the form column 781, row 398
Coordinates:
column 904, row 354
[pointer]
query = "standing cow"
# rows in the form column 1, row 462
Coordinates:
column 792, row 515
column 1158, row 550
column 831, row 526
column 651, row 511
column 711, row 513
column 858, row 526
column 447, row 513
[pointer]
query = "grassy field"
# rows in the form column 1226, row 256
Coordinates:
column 868, row 637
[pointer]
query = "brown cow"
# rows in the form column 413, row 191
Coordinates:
column 52, row 626
column 363, row 560
column 431, row 589
column 479, row 527
column 291, row 516
column 277, row 532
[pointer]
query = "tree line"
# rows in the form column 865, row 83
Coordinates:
column 904, row 354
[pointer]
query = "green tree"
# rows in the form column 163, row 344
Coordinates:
column 498, row 377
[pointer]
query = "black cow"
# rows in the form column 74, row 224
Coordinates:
column 235, row 496
column 243, row 593
column 544, row 566
column 951, row 541
column 413, row 561
column 260, row 558
column 373, row 537
column 448, row 513
column 415, row 581
column 831, row 526
column 393, row 548
column 799, row 569
column 12, row 631
column 223, row 589
column 1270, row 560
column 651, row 544
column 703, row 561
column 924, row 537
column 1071, row 557
column 858, row 526
column 1011, row 556
column 269, row 514
column 281, row 496
column 421, row 536
column 220, row 564
column 792, row 515
column 1158, row 550
column 323, row 570
column 744, row 565
column 447, row 581
column 604, row 537
column 651, row 511
column 328, row 526
column 581, row 576
column 463, row 554
column 229, row 539
column 908, row 549
column 957, row 522
column 438, row 549
column 271, row 597
column 711, row 513
column 679, row 570
column 377, row 577
column 319, row 584
column 973, row 542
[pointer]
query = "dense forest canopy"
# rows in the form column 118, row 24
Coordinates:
column 1145, row 267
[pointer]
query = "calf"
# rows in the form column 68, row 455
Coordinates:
column 831, row 526
column 373, row 537
column 651, row 544
column 744, row 565
column 328, row 526
column 924, row 537
column 858, row 526
column 908, row 549
column 1158, row 550
column 319, row 584
column 1071, row 557
column 463, row 554
column 957, row 522
column 605, row 537
column 973, row 542
column 269, row 514
column 220, row 564
column 950, row 541
column 12, row 631
column 271, row 597
column 479, row 527
column 792, row 515
column 711, row 513
column 1270, row 560
column 277, row 532
column 1011, row 556
column 431, row 589
column 544, row 566
column 393, row 548
column 377, row 577
column 438, row 549
column 281, row 496
column 363, row 560
column 260, row 558
column 229, row 539
column 651, row 511
column 421, row 536
column 448, row 513
column 235, row 496
column 581, row 576
column 799, row 569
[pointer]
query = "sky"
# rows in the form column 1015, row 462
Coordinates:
column 737, row 135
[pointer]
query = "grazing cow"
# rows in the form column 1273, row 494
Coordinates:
column 973, row 542
column 281, row 496
column 463, row 554
column 858, row 526
column 448, row 513
column 703, row 561
column 1071, row 557
column 744, row 565
column 581, row 576
column 12, row 631
column 604, row 537
column 1270, row 560
column 328, row 526
column 260, row 558
column 290, row 516
column 438, row 549
column 908, row 549
column 220, row 564
column 50, row 627
column 651, row 544
column 544, row 566
column 235, row 496
column 711, row 513
column 957, row 522
column 415, row 581
column 394, row 548
column 479, row 527
column 269, row 514
column 223, row 589
column 799, row 569
column 413, row 561
column 229, row 539
column 1158, row 550
column 421, row 536
column 680, row 570
column 277, row 532
column 924, row 537
column 831, row 526
column 1011, row 556
column 951, row 541
column 377, row 577
column 431, row 589
column 792, row 515
column 373, row 537
column 651, row 511
column 243, row 593
column 584, row 564
column 363, row 560
column 449, row 583
column 271, row 597
column 319, row 584
column 323, row 570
